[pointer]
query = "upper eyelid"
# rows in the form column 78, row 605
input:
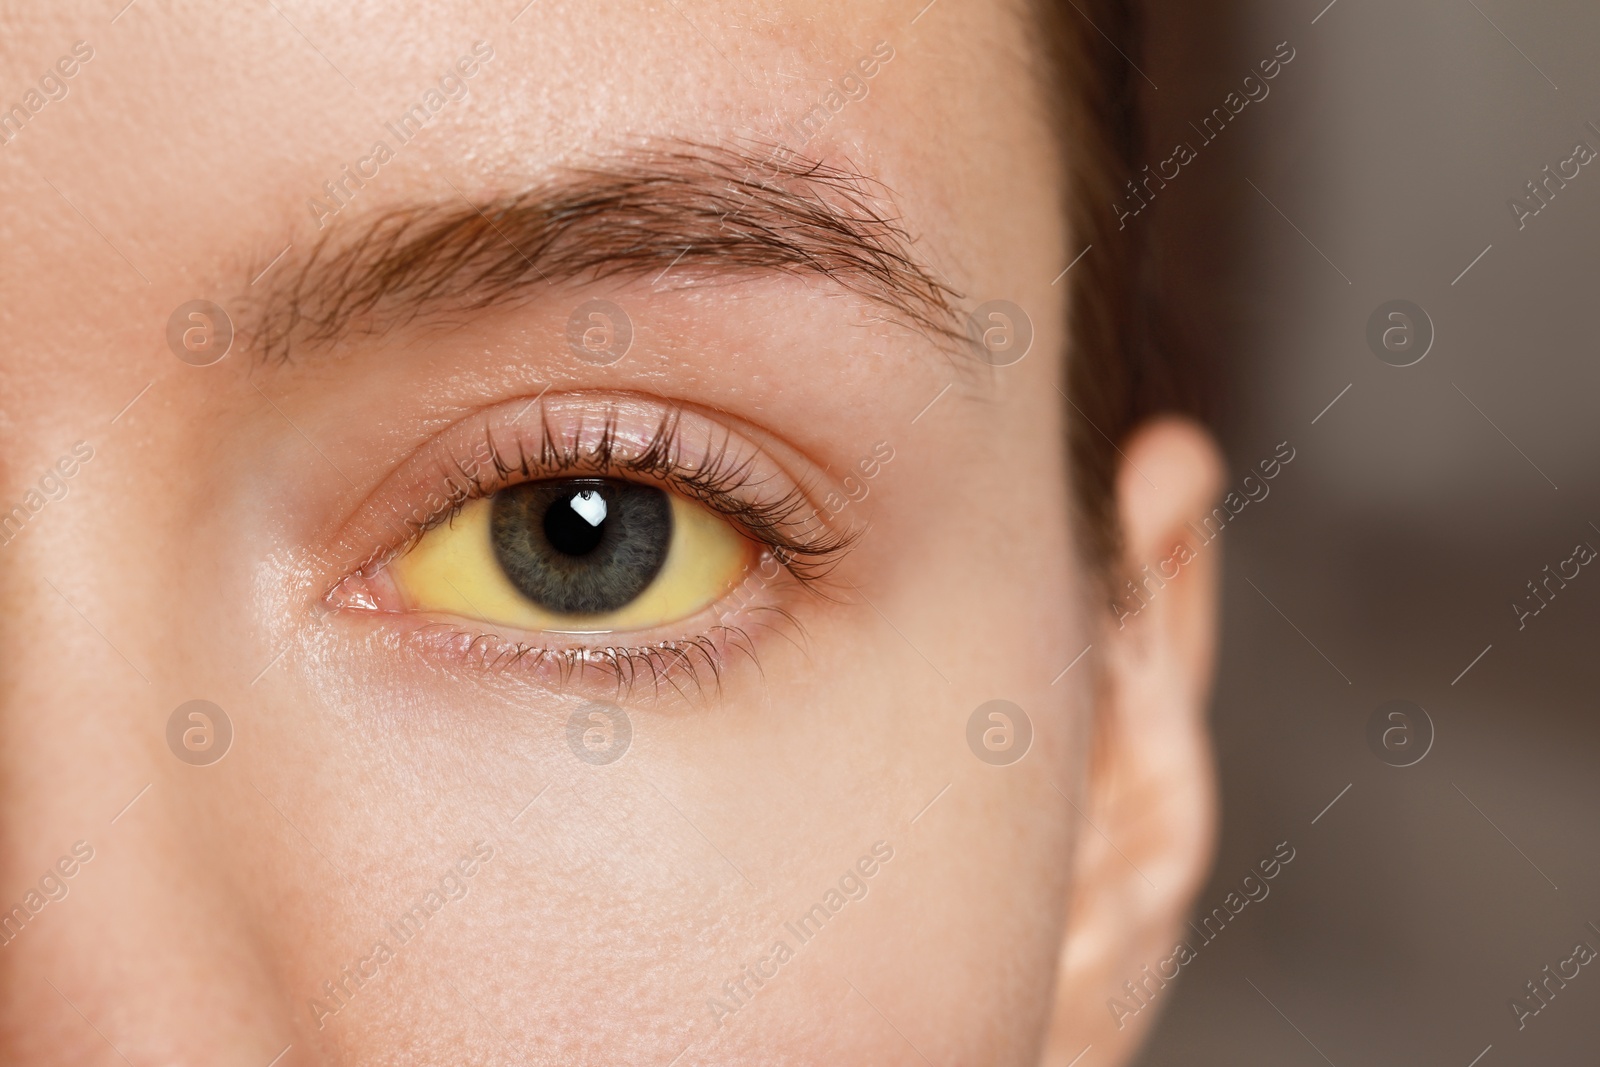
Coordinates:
column 588, row 432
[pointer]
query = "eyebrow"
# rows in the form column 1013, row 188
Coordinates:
column 695, row 209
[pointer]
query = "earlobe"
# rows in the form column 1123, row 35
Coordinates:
column 1150, row 794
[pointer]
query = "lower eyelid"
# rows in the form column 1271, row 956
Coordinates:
column 682, row 664
column 682, row 659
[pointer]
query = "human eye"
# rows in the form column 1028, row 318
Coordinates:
column 615, row 535
column 575, row 555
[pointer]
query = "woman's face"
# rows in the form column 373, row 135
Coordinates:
column 683, row 760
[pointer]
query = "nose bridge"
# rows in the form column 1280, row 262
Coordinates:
column 71, row 700
column 77, row 684
column 122, row 933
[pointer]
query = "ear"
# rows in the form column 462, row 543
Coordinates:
column 1150, row 796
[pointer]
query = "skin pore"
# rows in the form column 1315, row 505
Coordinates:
column 818, row 726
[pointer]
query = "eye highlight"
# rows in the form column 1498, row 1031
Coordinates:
column 575, row 556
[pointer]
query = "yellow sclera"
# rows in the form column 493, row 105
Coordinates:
column 453, row 570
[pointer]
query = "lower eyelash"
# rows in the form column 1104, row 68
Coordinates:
column 690, row 665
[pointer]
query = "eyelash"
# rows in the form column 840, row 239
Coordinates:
column 789, row 528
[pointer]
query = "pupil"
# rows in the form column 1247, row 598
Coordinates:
column 576, row 524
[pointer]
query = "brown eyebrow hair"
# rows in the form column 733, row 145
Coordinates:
column 688, row 206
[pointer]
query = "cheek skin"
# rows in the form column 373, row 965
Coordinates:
column 986, row 867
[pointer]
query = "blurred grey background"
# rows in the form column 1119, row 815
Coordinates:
column 1389, row 554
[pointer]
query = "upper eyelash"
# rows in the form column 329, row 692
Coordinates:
column 789, row 528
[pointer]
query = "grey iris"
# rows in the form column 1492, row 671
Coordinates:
column 581, row 546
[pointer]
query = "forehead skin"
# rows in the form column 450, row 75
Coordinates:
column 187, row 558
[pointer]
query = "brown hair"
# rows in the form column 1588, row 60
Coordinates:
column 1125, row 366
